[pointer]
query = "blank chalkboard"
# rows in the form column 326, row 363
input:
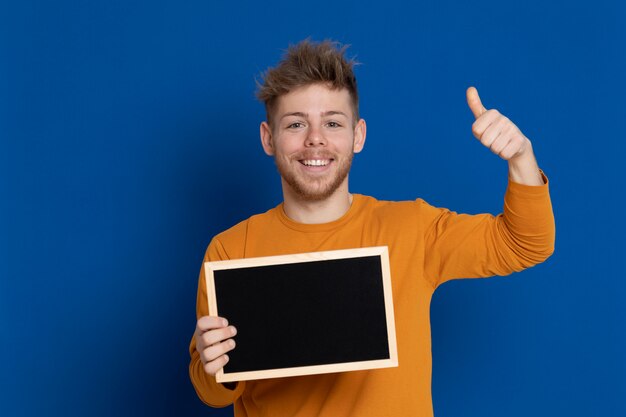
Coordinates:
column 306, row 313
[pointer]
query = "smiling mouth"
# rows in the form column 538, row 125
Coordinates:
column 315, row 162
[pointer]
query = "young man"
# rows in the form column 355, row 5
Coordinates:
column 313, row 130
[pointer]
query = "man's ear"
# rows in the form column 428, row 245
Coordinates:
column 360, row 131
column 266, row 138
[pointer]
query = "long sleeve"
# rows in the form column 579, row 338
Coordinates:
column 210, row 391
column 472, row 246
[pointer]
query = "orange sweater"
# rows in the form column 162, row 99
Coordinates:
column 427, row 246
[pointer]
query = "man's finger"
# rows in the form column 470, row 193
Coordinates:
column 211, row 322
column 474, row 103
column 216, row 335
column 212, row 367
column 212, row 353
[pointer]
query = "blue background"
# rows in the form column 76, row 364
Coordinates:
column 129, row 137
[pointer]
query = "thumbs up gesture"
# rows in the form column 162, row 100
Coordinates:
column 495, row 130
column 503, row 138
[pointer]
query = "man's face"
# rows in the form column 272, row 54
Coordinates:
column 313, row 139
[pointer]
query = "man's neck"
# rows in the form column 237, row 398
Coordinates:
column 317, row 212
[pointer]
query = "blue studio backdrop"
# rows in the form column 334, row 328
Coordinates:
column 129, row 137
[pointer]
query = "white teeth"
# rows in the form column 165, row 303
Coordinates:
column 316, row 162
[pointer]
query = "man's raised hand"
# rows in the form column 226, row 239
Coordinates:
column 213, row 341
column 495, row 130
column 503, row 138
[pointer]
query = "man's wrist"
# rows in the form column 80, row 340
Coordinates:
column 523, row 169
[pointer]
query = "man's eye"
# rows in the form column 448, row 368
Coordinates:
column 295, row 125
column 333, row 124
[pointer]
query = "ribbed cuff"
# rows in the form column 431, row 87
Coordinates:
column 530, row 191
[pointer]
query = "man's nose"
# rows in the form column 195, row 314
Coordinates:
column 315, row 137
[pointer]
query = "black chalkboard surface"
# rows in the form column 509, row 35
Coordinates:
column 306, row 313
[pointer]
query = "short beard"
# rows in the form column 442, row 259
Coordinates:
column 322, row 191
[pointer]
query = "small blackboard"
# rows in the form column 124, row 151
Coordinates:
column 307, row 313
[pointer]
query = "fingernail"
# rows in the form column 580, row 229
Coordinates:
column 224, row 322
column 233, row 330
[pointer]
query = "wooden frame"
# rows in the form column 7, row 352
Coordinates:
column 309, row 261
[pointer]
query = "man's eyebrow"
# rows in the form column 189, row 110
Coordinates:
column 305, row 115
column 295, row 113
column 333, row 113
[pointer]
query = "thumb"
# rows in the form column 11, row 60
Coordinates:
column 474, row 103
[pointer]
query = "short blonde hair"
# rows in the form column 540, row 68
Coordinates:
column 308, row 63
